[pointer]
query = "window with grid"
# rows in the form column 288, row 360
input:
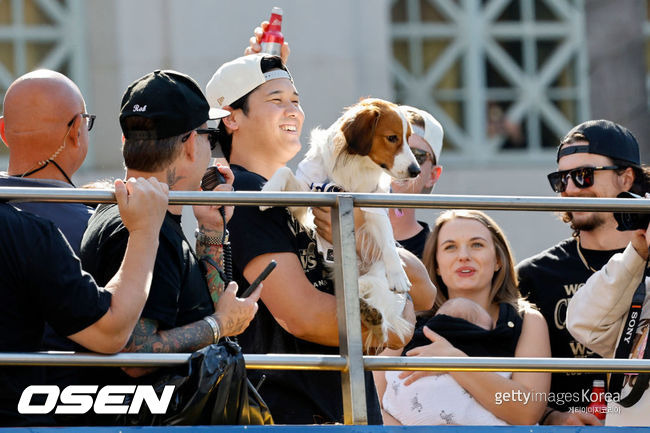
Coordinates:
column 41, row 34
column 506, row 78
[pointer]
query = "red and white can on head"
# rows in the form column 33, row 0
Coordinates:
column 272, row 38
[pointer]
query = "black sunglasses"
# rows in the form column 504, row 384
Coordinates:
column 213, row 138
column 583, row 177
column 90, row 120
column 421, row 156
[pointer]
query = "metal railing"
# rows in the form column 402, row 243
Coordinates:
column 351, row 361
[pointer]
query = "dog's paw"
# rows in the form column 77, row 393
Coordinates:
column 263, row 208
column 398, row 281
column 370, row 316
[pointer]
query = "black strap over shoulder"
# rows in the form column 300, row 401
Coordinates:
column 640, row 385
column 624, row 348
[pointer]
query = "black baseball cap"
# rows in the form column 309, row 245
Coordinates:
column 171, row 99
column 605, row 138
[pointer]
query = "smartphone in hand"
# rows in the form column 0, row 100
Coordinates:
column 265, row 273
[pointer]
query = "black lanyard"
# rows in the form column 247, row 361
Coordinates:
column 624, row 348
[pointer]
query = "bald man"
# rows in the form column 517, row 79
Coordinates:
column 45, row 126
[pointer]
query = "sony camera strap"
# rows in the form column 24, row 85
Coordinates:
column 624, row 348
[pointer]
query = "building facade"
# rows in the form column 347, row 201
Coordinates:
column 506, row 78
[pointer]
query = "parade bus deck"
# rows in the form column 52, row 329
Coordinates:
column 351, row 362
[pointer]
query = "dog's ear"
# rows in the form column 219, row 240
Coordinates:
column 359, row 130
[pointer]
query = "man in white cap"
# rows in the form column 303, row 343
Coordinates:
column 297, row 314
column 426, row 145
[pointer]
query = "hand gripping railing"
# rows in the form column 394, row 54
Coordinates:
column 351, row 361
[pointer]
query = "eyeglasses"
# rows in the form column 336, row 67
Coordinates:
column 583, row 177
column 90, row 120
column 213, row 138
column 421, row 156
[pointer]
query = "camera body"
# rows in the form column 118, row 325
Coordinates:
column 628, row 220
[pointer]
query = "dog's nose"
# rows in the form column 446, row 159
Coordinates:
column 414, row 170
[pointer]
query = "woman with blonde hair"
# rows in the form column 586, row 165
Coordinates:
column 468, row 256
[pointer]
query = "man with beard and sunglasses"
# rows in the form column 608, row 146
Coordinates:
column 597, row 158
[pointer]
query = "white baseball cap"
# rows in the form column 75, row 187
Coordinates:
column 237, row 78
column 432, row 133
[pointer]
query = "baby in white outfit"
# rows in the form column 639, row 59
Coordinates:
column 439, row 399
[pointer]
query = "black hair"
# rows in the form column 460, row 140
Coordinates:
column 641, row 183
column 268, row 63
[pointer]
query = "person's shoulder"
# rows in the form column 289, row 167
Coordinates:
column 6, row 180
column 14, row 219
column 532, row 317
column 556, row 253
column 10, row 214
column 106, row 217
column 246, row 180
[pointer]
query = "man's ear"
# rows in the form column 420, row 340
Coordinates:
column 627, row 179
column 436, row 171
column 189, row 147
column 74, row 133
column 2, row 130
column 231, row 122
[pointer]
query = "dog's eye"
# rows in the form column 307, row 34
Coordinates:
column 393, row 138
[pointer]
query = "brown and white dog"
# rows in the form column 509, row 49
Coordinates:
column 360, row 152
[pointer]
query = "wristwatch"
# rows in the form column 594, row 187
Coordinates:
column 209, row 240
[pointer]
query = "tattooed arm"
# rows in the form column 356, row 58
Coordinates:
column 210, row 247
column 232, row 314
column 147, row 338
column 211, row 228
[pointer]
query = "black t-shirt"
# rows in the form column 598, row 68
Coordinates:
column 179, row 294
column 71, row 219
column 294, row 397
column 550, row 279
column 470, row 338
column 415, row 244
column 40, row 279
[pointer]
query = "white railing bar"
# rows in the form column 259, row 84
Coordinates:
column 438, row 201
column 277, row 361
column 478, row 363
column 346, row 288
column 336, row 362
